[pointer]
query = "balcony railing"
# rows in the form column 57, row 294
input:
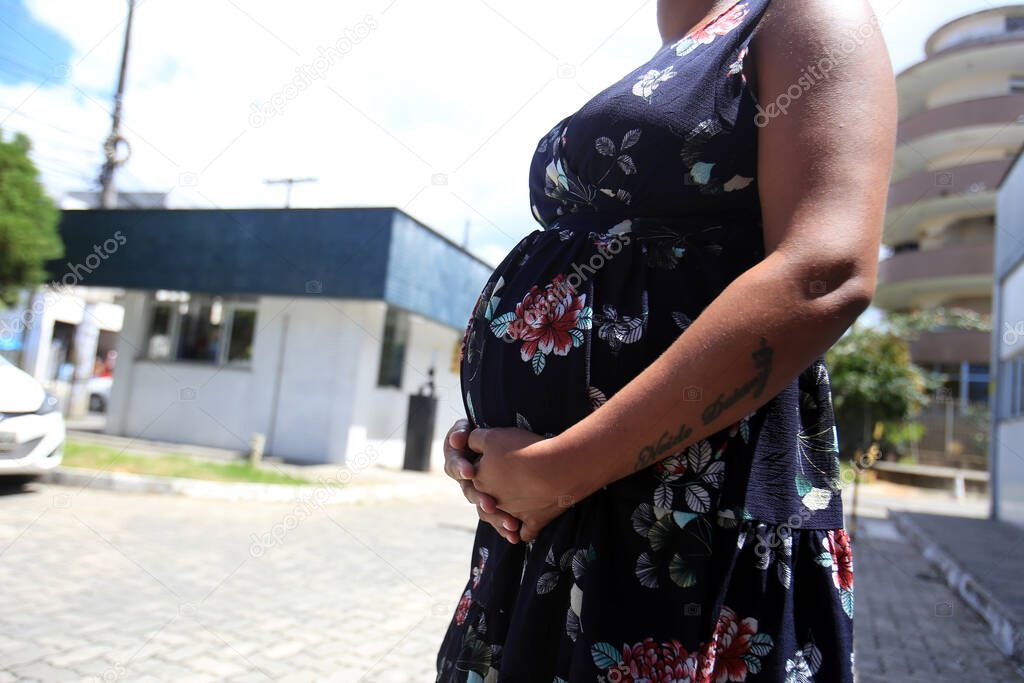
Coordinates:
column 997, row 110
column 951, row 261
column 948, row 182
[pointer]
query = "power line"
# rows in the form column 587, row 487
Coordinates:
column 25, row 68
column 44, row 144
column 63, row 171
column 54, row 160
column 14, row 112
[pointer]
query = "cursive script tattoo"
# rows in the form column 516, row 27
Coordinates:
column 763, row 362
column 666, row 444
column 669, row 444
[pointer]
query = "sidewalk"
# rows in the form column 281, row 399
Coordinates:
column 328, row 483
column 910, row 626
column 983, row 561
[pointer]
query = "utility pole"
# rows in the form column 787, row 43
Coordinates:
column 108, row 193
column 289, row 182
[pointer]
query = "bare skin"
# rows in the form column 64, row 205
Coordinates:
column 824, row 169
column 677, row 18
column 459, row 468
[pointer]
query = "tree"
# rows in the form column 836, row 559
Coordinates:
column 28, row 221
column 873, row 380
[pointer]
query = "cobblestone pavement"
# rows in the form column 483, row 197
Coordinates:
column 909, row 626
column 126, row 587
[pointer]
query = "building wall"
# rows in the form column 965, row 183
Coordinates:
column 372, row 254
column 380, row 413
column 956, row 140
column 1007, row 457
column 181, row 402
column 311, row 389
column 972, row 87
column 1008, row 464
column 90, row 311
column 969, row 28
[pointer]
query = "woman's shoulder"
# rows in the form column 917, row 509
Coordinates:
column 819, row 46
column 806, row 29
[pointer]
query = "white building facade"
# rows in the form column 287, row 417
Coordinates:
column 1007, row 449
column 308, row 328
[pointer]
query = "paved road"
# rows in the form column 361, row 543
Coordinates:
column 125, row 587
column 909, row 626
column 133, row 587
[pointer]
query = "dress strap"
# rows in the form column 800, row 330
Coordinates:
column 727, row 33
column 755, row 12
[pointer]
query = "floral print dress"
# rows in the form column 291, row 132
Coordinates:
column 727, row 561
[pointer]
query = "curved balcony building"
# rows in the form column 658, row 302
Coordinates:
column 961, row 123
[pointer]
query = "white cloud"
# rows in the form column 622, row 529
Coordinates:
column 461, row 87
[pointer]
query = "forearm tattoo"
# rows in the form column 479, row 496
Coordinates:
column 763, row 363
column 668, row 443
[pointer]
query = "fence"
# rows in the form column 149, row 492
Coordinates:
column 954, row 436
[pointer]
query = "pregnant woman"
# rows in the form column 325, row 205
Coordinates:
column 650, row 439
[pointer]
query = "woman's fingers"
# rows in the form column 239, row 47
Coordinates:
column 458, row 435
column 478, row 498
column 484, row 501
column 456, row 465
column 487, row 509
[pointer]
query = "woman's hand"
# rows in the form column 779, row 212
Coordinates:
column 524, row 474
column 459, row 468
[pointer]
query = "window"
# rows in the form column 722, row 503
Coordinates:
column 392, row 348
column 159, row 345
column 1016, row 377
column 243, row 329
column 201, row 328
column 950, row 389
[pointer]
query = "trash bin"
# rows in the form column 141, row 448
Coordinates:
column 419, row 432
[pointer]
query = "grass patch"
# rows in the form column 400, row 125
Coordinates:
column 96, row 457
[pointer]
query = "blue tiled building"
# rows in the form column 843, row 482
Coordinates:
column 307, row 326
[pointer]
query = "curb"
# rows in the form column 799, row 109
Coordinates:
column 1005, row 629
column 326, row 493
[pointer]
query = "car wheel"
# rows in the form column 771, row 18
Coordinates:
column 97, row 404
column 10, row 483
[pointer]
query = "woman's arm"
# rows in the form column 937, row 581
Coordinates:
column 823, row 171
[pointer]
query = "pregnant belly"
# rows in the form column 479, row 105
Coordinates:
column 563, row 323
column 526, row 364
column 525, row 357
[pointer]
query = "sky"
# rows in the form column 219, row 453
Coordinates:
column 433, row 107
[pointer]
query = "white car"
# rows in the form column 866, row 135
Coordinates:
column 31, row 425
column 99, row 393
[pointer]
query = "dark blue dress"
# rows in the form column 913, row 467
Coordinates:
column 727, row 561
